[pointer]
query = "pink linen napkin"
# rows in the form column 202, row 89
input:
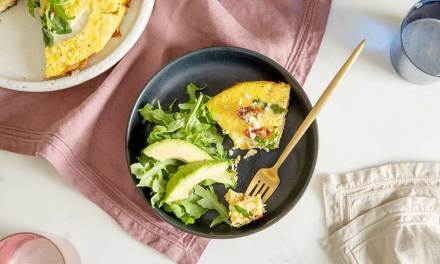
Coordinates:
column 81, row 130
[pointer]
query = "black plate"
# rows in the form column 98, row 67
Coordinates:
column 219, row 68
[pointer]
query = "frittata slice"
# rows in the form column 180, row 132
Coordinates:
column 103, row 21
column 252, row 113
column 243, row 209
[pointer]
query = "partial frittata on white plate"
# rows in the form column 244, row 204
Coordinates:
column 73, row 30
column 103, row 20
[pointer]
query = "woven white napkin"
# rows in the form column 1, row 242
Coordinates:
column 387, row 214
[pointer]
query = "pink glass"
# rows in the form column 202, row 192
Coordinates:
column 31, row 248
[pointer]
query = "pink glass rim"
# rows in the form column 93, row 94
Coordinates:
column 33, row 236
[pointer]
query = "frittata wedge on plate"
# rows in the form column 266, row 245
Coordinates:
column 104, row 18
column 252, row 113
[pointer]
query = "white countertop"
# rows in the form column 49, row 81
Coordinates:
column 373, row 118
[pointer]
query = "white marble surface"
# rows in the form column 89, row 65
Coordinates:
column 374, row 117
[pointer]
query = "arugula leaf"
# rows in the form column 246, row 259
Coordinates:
column 192, row 123
column 243, row 211
column 209, row 200
column 192, row 120
column 186, row 210
column 157, row 116
column 191, row 206
column 148, row 171
column 47, row 37
column 61, row 26
column 192, row 209
column 154, row 174
column 219, row 219
column 54, row 20
column 179, row 212
column 32, row 4
column 191, row 91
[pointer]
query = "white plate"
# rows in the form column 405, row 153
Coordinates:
column 22, row 49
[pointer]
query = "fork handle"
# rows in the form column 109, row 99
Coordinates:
column 319, row 104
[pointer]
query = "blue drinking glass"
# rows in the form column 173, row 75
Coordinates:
column 415, row 51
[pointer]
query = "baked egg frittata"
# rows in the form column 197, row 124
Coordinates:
column 95, row 23
column 103, row 21
column 243, row 209
column 252, row 113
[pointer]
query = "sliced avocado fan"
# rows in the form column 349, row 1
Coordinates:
column 176, row 149
column 180, row 185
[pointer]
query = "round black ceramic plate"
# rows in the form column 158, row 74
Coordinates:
column 219, row 68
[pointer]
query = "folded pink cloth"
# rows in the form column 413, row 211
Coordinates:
column 81, row 130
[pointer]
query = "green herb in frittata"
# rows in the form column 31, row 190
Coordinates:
column 276, row 108
column 243, row 211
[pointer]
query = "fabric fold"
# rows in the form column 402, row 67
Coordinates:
column 350, row 195
column 401, row 231
column 385, row 214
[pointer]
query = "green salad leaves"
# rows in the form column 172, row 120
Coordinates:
column 32, row 4
column 192, row 123
column 54, row 20
column 209, row 200
column 154, row 174
column 187, row 210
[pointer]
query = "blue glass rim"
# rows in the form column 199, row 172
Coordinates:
column 411, row 16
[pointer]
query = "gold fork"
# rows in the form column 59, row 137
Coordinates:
column 266, row 180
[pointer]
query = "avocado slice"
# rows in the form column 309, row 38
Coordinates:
column 189, row 175
column 176, row 149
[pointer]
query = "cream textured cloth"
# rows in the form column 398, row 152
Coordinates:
column 388, row 214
